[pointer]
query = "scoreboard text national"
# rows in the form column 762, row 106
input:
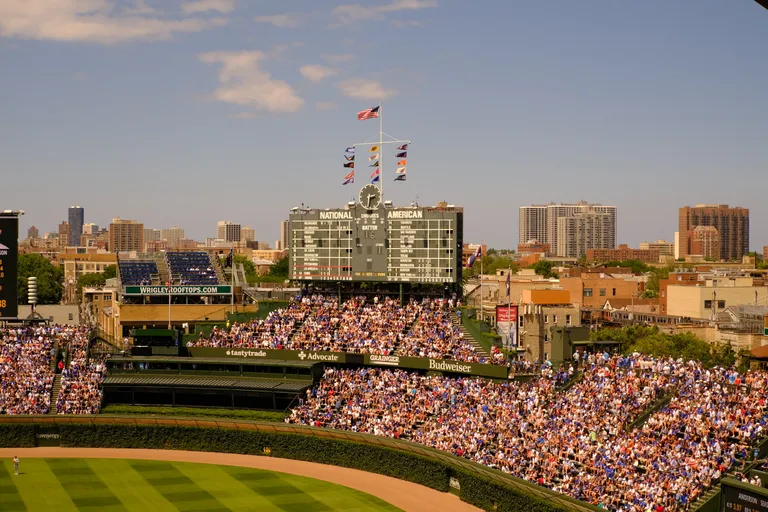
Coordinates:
column 408, row 245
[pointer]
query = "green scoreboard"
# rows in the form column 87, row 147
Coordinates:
column 375, row 242
column 9, row 251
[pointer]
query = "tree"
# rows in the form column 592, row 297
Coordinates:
column 50, row 279
column 637, row 266
column 110, row 272
column 544, row 268
column 279, row 268
column 250, row 269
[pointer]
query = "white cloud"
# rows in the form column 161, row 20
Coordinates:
column 325, row 105
column 279, row 20
column 208, row 5
column 365, row 89
column 276, row 51
column 338, row 59
column 88, row 21
column 315, row 72
column 242, row 82
column 352, row 13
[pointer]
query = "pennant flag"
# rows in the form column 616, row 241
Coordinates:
column 402, row 155
column 401, row 162
column 350, row 175
column 374, row 164
column 474, row 256
column 350, row 158
column 369, row 113
column 400, row 178
column 376, row 173
column 400, row 170
column 350, row 149
column 373, row 157
column 404, row 147
column 373, row 149
column 350, row 180
column 376, row 179
column 508, row 277
column 350, row 165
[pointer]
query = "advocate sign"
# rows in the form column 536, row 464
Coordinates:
column 250, row 354
column 178, row 290
column 439, row 365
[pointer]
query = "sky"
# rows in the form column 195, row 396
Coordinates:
column 187, row 112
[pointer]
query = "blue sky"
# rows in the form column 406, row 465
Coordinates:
column 189, row 112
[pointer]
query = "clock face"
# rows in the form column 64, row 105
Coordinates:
column 370, row 197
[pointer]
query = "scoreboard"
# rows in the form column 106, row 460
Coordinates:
column 9, row 249
column 406, row 245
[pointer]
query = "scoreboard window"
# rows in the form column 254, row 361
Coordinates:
column 9, row 247
column 397, row 245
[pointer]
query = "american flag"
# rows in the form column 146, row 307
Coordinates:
column 369, row 113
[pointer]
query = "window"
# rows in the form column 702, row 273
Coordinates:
column 721, row 304
column 587, row 292
column 554, row 319
column 614, row 292
column 602, row 292
column 707, row 304
column 664, row 293
column 567, row 319
column 663, row 308
column 546, row 319
column 520, row 321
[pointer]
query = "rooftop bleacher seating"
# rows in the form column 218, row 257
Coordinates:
column 192, row 267
column 136, row 272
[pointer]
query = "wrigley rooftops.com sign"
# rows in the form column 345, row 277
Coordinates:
column 179, row 290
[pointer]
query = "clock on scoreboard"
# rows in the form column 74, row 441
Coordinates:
column 371, row 241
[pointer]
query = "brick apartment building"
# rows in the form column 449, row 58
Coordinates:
column 731, row 223
column 623, row 253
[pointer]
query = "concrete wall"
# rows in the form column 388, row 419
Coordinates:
column 689, row 301
column 62, row 314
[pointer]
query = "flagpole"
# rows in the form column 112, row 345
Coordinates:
column 482, row 261
column 509, row 304
column 381, row 148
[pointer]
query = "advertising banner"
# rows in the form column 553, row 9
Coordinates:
column 179, row 290
column 440, row 365
column 47, row 435
column 246, row 354
column 9, row 251
column 506, row 324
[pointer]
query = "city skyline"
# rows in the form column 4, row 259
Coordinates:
column 175, row 116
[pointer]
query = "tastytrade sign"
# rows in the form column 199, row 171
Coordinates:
column 179, row 290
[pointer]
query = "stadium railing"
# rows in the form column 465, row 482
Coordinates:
column 458, row 465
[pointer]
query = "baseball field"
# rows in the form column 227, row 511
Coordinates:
column 148, row 486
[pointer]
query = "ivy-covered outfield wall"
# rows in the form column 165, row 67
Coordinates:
column 475, row 484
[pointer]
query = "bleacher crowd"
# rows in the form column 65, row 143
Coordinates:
column 578, row 441
column 379, row 326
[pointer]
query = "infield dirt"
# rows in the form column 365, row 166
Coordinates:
column 405, row 495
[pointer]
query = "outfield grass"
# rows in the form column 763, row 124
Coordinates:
column 147, row 486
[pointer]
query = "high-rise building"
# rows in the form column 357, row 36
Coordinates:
column 665, row 248
column 533, row 224
column 64, row 234
column 540, row 223
column 76, row 220
column 90, row 228
column 126, row 235
column 172, row 236
column 587, row 230
column 227, row 231
column 731, row 223
column 247, row 234
column 285, row 235
column 705, row 241
column 33, row 232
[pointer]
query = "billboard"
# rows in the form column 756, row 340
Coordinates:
column 9, row 254
column 401, row 245
column 506, row 325
column 178, row 290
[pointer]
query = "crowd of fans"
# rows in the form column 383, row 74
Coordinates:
column 579, row 441
column 26, row 376
column 378, row 326
column 80, row 391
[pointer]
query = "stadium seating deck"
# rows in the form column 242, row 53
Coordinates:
column 136, row 272
column 192, row 267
